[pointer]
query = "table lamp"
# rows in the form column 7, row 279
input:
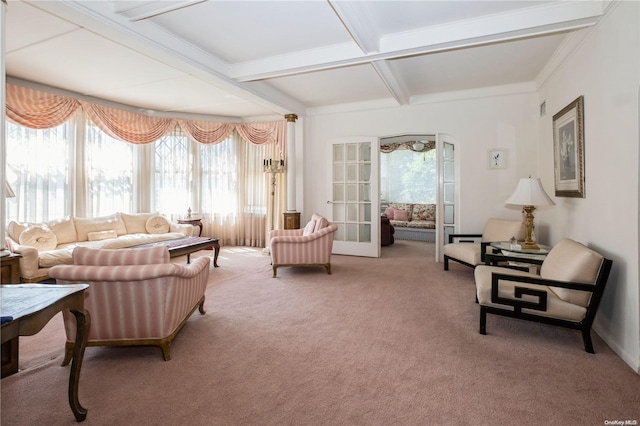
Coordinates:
column 529, row 193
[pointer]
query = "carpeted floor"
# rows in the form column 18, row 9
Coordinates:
column 388, row 341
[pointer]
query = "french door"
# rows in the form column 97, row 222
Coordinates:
column 355, row 201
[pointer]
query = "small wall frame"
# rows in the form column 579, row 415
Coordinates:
column 496, row 158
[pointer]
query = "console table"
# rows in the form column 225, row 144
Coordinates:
column 27, row 308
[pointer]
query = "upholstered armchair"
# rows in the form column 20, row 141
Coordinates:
column 309, row 247
column 469, row 249
column 566, row 293
column 136, row 296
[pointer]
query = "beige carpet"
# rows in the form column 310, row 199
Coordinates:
column 389, row 341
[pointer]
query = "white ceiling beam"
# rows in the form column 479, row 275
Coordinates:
column 390, row 80
column 355, row 18
column 154, row 42
column 137, row 11
column 521, row 23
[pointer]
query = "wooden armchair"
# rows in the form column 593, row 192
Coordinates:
column 566, row 293
column 470, row 249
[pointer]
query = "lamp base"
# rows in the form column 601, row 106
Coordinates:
column 529, row 245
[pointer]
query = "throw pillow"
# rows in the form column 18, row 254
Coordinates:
column 157, row 225
column 308, row 230
column 102, row 235
column 401, row 215
column 136, row 223
column 389, row 212
column 39, row 237
column 14, row 229
column 65, row 230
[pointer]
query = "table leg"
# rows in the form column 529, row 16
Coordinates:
column 216, row 247
column 83, row 321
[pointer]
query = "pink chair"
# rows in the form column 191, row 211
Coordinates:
column 310, row 246
column 136, row 296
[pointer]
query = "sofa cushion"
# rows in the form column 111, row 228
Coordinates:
column 102, row 235
column 104, row 223
column 402, row 215
column 39, row 237
column 389, row 211
column 136, row 223
column 309, row 228
column 157, row 225
column 423, row 212
column 65, row 230
column 571, row 261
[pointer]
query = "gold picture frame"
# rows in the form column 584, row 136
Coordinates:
column 568, row 150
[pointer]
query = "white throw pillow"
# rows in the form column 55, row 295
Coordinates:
column 308, row 230
column 65, row 230
column 157, row 225
column 136, row 223
column 39, row 237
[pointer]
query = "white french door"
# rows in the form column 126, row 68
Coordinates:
column 447, row 192
column 355, row 200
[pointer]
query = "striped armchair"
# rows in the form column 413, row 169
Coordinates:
column 310, row 246
column 136, row 296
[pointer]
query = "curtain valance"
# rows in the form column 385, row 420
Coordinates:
column 40, row 110
column 416, row 146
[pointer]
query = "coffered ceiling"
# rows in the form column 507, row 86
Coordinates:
column 246, row 60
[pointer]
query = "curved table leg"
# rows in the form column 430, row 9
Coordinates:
column 216, row 248
column 83, row 321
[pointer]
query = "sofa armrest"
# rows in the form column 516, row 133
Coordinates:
column 183, row 228
column 192, row 269
column 301, row 239
column 29, row 262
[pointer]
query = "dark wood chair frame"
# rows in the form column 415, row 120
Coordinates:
column 483, row 248
column 541, row 305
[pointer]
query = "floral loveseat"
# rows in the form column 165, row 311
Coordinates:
column 412, row 221
column 43, row 245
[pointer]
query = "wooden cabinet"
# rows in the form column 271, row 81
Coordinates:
column 10, row 269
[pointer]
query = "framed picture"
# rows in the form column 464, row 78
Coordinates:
column 497, row 158
column 568, row 150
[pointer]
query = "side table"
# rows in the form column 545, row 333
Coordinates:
column 192, row 222
column 10, row 268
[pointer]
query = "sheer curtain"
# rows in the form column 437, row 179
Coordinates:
column 40, row 165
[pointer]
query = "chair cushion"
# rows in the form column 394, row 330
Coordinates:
column 466, row 252
column 571, row 261
column 502, row 230
column 556, row 307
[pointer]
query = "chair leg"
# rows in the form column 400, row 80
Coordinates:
column 586, row 337
column 328, row 268
column 483, row 320
column 68, row 353
column 446, row 263
column 274, row 270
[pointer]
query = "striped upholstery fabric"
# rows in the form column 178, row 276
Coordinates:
column 290, row 248
column 135, row 295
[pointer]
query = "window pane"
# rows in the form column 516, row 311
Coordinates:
column 39, row 170
column 172, row 174
column 408, row 177
column 109, row 173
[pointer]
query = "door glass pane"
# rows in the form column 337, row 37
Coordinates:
column 338, row 192
column 365, row 213
column 448, row 171
column 338, row 212
column 352, row 213
column 448, row 214
column 352, row 152
column 338, row 153
column 448, row 192
column 365, row 152
column 365, row 172
column 338, row 173
column 351, row 232
column 365, row 192
column 352, row 192
column 448, row 151
column 365, row 233
column 352, row 172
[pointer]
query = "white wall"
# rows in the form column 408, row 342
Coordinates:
column 507, row 121
column 605, row 69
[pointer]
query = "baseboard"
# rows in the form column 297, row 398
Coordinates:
column 619, row 350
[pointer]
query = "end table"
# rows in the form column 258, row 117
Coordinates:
column 192, row 222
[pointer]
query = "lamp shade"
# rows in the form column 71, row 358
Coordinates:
column 529, row 192
column 8, row 190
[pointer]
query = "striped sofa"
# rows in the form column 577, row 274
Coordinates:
column 136, row 296
column 310, row 246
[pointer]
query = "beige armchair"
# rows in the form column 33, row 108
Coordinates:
column 566, row 293
column 136, row 296
column 469, row 249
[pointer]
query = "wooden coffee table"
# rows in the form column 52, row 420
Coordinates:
column 189, row 245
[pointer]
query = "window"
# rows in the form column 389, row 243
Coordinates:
column 108, row 168
column 39, row 170
column 173, row 173
column 408, row 177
